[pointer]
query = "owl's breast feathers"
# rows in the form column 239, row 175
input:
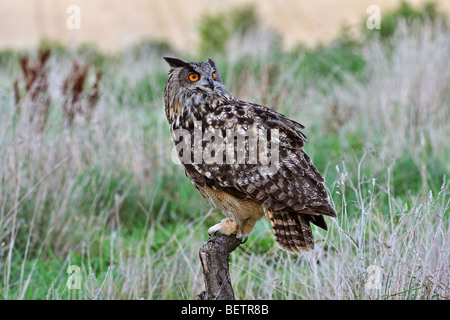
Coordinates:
column 295, row 184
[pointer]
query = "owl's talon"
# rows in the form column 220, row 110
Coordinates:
column 228, row 227
column 213, row 230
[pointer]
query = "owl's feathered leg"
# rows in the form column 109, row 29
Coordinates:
column 226, row 226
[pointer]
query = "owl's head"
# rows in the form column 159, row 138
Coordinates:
column 191, row 88
column 196, row 76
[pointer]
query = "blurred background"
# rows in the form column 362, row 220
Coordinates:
column 87, row 184
column 115, row 24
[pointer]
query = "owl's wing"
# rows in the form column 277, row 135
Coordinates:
column 289, row 182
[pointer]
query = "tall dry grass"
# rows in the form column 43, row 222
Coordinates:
column 100, row 192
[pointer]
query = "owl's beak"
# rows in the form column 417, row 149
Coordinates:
column 211, row 83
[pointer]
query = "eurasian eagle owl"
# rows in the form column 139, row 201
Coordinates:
column 244, row 158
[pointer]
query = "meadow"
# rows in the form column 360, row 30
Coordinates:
column 86, row 177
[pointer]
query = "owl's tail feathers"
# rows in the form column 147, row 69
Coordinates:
column 292, row 230
column 315, row 215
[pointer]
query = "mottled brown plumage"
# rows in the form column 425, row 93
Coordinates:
column 245, row 180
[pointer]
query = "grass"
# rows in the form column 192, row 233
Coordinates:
column 100, row 192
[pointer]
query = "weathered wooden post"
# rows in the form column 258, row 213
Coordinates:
column 214, row 256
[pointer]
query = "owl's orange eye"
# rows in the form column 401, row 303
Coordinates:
column 214, row 76
column 194, row 77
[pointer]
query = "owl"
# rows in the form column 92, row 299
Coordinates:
column 244, row 158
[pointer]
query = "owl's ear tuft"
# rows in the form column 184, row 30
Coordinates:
column 211, row 63
column 176, row 63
